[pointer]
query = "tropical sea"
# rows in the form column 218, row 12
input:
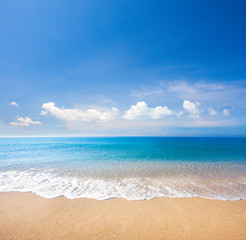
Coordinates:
column 133, row 168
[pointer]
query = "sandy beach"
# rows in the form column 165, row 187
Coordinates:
column 28, row 216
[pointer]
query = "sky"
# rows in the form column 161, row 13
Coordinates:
column 122, row 68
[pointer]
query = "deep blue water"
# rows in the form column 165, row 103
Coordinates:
column 129, row 167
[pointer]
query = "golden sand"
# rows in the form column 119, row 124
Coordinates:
column 28, row 216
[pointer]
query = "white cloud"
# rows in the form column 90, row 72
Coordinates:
column 25, row 122
column 15, row 104
column 212, row 112
column 191, row 108
column 77, row 114
column 226, row 112
column 142, row 111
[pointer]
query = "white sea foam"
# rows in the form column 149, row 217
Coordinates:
column 50, row 183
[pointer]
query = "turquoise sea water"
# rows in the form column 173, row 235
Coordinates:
column 132, row 168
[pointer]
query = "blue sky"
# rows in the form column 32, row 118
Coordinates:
column 92, row 68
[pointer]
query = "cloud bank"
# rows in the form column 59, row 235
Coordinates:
column 140, row 111
column 137, row 118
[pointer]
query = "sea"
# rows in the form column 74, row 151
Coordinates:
column 134, row 168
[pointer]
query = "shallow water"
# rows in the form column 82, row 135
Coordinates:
column 132, row 168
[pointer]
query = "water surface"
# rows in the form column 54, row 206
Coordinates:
column 126, row 167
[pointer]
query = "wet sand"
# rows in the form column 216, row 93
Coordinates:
column 28, row 216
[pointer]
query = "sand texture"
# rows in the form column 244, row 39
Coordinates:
column 28, row 216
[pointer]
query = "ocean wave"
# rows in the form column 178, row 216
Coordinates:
column 51, row 183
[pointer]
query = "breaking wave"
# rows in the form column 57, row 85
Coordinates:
column 51, row 183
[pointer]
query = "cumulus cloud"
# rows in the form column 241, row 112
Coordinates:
column 212, row 112
column 191, row 108
column 142, row 111
column 14, row 104
column 25, row 122
column 77, row 114
column 226, row 112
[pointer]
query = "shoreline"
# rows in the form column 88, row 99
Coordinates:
column 146, row 199
column 29, row 216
